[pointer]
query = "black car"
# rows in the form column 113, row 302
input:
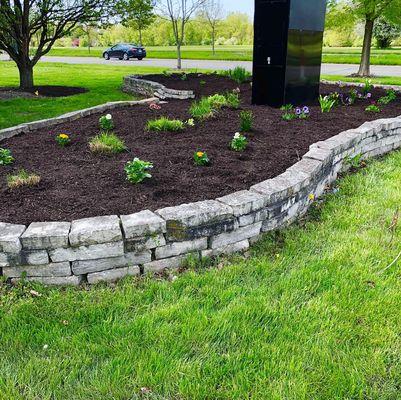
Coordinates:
column 125, row 51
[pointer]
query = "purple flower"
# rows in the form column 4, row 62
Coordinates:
column 368, row 95
column 305, row 110
column 298, row 111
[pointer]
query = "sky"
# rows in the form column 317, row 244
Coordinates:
column 238, row 5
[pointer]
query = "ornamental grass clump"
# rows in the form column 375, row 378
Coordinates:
column 164, row 124
column 138, row 170
column 5, row 157
column 217, row 101
column 63, row 139
column 202, row 109
column 232, row 100
column 107, row 143
column 246, row 121
column 106, row 123
column 239, row 142
column 238, row 74
column 22, row 178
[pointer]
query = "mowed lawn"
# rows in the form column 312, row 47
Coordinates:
column 310, row 316
column 104, row 84
column 336, row 55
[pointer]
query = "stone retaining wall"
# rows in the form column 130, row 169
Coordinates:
column 134, row 85
column 111, row 247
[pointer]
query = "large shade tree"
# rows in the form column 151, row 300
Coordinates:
column 48, row 20
column 369, row 11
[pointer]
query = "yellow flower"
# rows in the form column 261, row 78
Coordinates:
column 200, row 154
column 63, row 136
column 311, row 197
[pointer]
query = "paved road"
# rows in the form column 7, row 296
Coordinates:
column 327, row 69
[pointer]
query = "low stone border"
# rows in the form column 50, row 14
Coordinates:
column 134, row 85
column 111, row 247
column 68, row 117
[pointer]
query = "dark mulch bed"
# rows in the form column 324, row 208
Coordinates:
column 43, row 91
column 77, row 184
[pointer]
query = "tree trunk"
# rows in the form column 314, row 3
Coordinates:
column 179, row 58
column 213, row 41
column 140, row 37
column 25, row 76
column 364, row 68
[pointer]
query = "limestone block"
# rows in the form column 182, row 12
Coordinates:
column 46, row 235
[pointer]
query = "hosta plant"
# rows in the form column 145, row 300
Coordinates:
column 106, row 123
column 63, row 139
column 5, row 157
column 201, row 158
column 239, row 142
column 138, row 170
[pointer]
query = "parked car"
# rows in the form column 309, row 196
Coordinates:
column 125, row 51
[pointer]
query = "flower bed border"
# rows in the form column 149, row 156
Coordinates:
column 108, row 248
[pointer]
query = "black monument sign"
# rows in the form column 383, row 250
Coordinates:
column 287, row 51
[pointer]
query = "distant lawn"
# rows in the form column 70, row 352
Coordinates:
column 103, row 82
column 340, row 55
column 308, row 317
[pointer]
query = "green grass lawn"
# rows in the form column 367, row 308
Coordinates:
column 342, row 55
column 308, row 316
column 104, row 84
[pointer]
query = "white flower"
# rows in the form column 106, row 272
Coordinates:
column 136, row 159
column 237, row 135
column 45, row 347
column 191, row 122
column 109, row 117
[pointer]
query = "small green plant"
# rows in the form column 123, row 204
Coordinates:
column 217, row 101
column 239, row 142
column 298, row 113
column 106, row 143
column 326, row 103
column 246, row 121
column 201, row 109
column 287, row 107
column 63, row 139
column 238, row 74
column 201, row 159
column 354, row 162
column 184, row 77
column 166, row 73
column 106, row 123
column 374, row 108
column 164, row 124
column 389, row 98
column 5, row 157
column 202, row 83
column 138, row 170
column 22, row 178
column 232, row 100
column 353, row 95
column 367, row 87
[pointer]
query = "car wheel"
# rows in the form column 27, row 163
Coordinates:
column 126, row 57
column 106, row 56
column 140, row 58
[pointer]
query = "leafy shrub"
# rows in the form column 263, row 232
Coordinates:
column 164, row 124
column 138, row 170
column 106, row 123
column 201, row 109
column 63, row 139
column 389, row 98
column 238, row 74
column 374, row 108
column 239, row 142
column 326, row 103
column 22, row 178
column 246, row 118
column 201, row 158
column 106, row 143
column 367, row 87
column 5, row 157
column 232, row 100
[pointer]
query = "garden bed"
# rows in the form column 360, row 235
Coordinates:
column 40, row 91
column 76, row 183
